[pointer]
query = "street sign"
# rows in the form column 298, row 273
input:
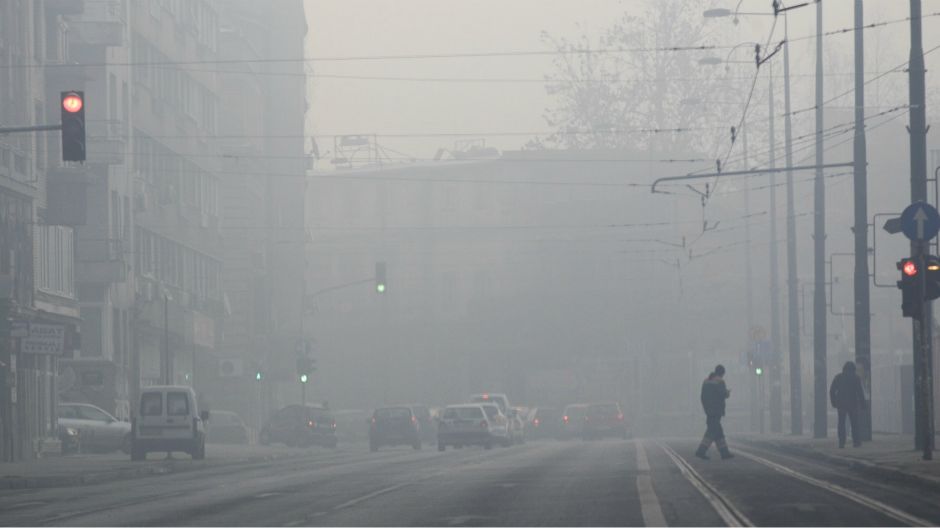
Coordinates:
column 758, row 333
column 44, row 339
column 920, row 221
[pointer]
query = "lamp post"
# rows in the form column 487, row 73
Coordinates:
column 796, row 401
column 167, row 359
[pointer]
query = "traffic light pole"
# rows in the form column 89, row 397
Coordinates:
column 39, row 128
column 923, row 426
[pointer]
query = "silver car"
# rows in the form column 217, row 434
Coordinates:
column 98, row 430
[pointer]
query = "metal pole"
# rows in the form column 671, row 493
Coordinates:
column 862, row 293
column 793, row 321
column 923, row 425
column 748, row 279
column 775, row 373
column 820, row 399
column 167, row 361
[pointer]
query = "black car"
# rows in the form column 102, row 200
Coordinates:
column 300, row 426
column 604, row 419
column 545, row 422
column 391, row 426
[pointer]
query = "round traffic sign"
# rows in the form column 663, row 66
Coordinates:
column 920, row 221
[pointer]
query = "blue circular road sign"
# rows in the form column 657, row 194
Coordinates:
column 920, row 221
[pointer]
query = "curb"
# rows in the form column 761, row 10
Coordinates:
column 862, row 466
column 15, row 482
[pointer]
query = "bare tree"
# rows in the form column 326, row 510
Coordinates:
column 634, row 89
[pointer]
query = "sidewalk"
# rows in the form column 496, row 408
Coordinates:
column 77, row 470
column 886, row 455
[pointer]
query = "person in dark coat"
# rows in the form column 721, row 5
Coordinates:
column 848, row 397
column 714, row 394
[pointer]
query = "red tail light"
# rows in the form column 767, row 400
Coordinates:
column 414, row 420
column 566, row 419
column 620, row 417
column 536, row 422
column 484, row 424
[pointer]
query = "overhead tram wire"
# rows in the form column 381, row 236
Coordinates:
column 426, row 56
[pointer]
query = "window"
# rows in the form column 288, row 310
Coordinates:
column 92, row 378
column 151, row 404
column 68, row 411
column 177, row 404
column 90, row 413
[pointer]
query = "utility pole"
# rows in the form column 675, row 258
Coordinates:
column 167, row 360
column 793, row 316
column 923, row 423
column 748, row 278
column 775, row 374
column 862, row 294
column 820, row 398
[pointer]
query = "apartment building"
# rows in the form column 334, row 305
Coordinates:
column 38, row 297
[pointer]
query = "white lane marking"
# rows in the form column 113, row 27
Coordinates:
column 890, row 511
column 642, row 462
column 722, row 506
column 649, row 503
column 372, row 495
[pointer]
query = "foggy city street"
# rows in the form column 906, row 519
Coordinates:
column 469, row 263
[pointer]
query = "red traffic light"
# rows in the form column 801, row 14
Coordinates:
column 909, row 268
column 72, row 103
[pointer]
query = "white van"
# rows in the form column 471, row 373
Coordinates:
column 166, row 419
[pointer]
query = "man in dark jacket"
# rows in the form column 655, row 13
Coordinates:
column 714, row 394
column 848, row 397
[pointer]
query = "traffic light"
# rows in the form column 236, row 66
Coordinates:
column 380, row 277
column 759, row 371
column 259, row 375
column 910, row 287
column 73, row 125
column 305, row 367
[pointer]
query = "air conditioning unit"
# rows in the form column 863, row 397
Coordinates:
column 231, row 368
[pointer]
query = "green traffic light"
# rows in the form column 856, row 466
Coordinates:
column 303, row 378
column 380, row 288
column 258, row 376
column 758, row 371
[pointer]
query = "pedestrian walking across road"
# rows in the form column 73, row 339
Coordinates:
column 714, row 394
column 848, row 397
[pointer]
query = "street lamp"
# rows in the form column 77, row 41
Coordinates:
column 167, row 360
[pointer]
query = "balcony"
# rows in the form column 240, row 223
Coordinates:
column 102, row 24
column 100, row 272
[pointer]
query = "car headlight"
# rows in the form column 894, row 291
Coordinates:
column 70, row 431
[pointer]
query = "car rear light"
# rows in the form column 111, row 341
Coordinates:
column 414, row 420
column 620, row 417
column 333, row 425
column 484, row 424
column 536, row 422
column 566, row 419
column 311, row 423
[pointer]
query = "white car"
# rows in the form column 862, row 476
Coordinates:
column 471, row 424
column 500, row 427
column 167, row 420
column 97, row 429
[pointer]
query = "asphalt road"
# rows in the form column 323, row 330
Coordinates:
column 602, row 483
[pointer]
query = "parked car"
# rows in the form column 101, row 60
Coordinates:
column 470, row 424
column 300, row 426
column 545, row 422
column 98, row 430
column 572, row 421
column 604, row 419
column 168, row 419
column 226, row 427
column 500, row 427
column 70, row 439
column 497, row 398
column 517, row 424
column 393, row 426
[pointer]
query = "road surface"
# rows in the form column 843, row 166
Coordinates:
column 602, row 483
